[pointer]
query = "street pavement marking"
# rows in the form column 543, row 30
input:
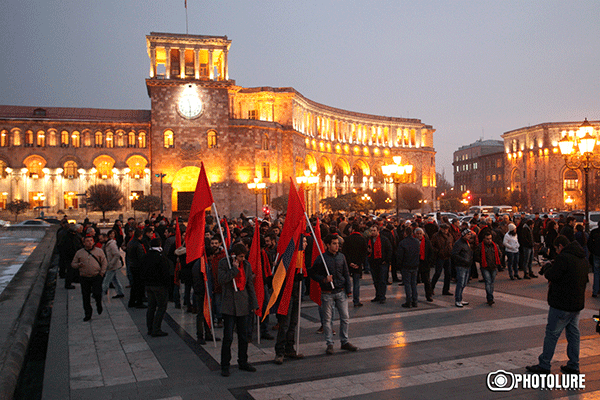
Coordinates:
column 109, row 350
column 373, row 382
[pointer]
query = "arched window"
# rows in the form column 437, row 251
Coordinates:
column 265, row 142
column 570, row 180
column 98, row 139
column 136, row 165
column 142, row 140
column 3, row 166
column 76, row 139
column 131, row 139
column 212, row 139
column 104, row 166
column 70, row 170
column 87, row 138
column 29, row 139
column 120, row 139
column 168, row 137
column 16, row 137
column 266, row 170
column 109, row 140
column 35, row 165
column 64, row 139
column 51, row 136
column 41, row 139
column 4, row 138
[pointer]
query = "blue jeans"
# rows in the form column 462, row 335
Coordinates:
column 356, row 288
column 111, row 276
column 409, row 277
column 513, row 264
column 339, row 301
column 557, row 321
column 596, row 269
column 488, row 277
column 527, row 260
column 462, row 278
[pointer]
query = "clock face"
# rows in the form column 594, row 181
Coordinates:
column 190, row 106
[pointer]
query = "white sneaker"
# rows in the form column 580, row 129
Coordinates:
column 459, row 304
column 465, row 303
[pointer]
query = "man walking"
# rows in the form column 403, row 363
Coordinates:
column 462, row 258
column 155, row 276
column 91, row 263
column 380, row 254
column 568, row 276
column 335, row 295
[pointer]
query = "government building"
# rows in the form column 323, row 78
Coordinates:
column 50, row 156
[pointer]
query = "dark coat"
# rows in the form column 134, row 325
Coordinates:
column 241, row 302
column 568, row 276
column 134, row 255
column 408, row 253
column 155, row 269
column 490, row 257
column 593, row 243
column 338, row 268
column 355, row 251
column 386, row 250
column 442, row 245
column 462, row 255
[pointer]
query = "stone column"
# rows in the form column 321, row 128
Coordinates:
column 211, row 67
column 196, row 64
column 152, row 62
column 182, row 62
column 168, row 63
column 226, row 66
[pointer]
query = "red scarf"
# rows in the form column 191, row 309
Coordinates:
column 483, row 257
column 240, row 278
column 266, row 264
column 422, row 249
column 376, row 249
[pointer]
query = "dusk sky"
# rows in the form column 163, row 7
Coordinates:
column 471, row 69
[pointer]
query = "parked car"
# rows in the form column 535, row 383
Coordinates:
column 32, row 223
column 594, row 219
column 50, row 220
column 4, row 224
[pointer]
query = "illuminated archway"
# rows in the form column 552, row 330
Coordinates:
column 35, row 165
column 104, row 165
column 136, row 165
column 184, row 183
column 325, row 167
column 310, row 163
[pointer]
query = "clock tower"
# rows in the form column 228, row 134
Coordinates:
column 189, row 90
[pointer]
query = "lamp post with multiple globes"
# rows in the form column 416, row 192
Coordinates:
column 257, row 186
column 308, row 179
column 578, row 152
column 398, row 174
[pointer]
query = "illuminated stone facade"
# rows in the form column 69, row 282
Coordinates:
column 535, row 167
column 200, row 115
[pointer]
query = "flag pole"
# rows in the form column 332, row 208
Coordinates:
column 318, row 246
column 212, row 325
column 186, row 18
column 298, row 324
column 214, row 206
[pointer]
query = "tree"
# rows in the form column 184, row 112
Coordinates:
column 104, row 198
column 379, row 197
column 442, row 185
column 17, row 207
column 146, row 204
column 279, row 203
column 412, row 197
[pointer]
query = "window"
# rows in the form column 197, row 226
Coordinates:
column 41, row 139
column 212, row 139
column 76, row 139
column 120, row 139
column 64, row 139
column 3, row 166
column 98, row 140
column 4, row 138
column 251, row 114
column 29, row 139
column 570, row 180
column 104, row 166
column 35, row 165
column 142, row 140
column 265, row 142
column 16, row 137
column 266, row 170
column 131, row 139
column 168, row 139
column 109, row 140
column 70, row 170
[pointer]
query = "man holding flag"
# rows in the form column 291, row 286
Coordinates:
column 332, row 268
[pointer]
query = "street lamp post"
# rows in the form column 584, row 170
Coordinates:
column 134, row 196
column 258, row 187
column 161, row 176
column 398, row 174
column 577, row 150
column 308, row 179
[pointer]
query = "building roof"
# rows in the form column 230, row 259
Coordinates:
column 74, row 114
column 483, row 143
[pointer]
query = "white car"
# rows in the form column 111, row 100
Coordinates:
column 4, row 224
column 594, row 219
column 32, row 223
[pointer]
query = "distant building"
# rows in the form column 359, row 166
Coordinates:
column 479, row 168
column 535, row 168
column 50, row 156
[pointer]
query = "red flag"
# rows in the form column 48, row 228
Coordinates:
column 288, row 245
column 315, row 288
column 227, row 234
column 195, row 229
column 255, row 260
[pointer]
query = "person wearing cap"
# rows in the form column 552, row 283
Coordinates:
column 155, row 276
column 511, row 246
column 462, row 259
column 91, row 263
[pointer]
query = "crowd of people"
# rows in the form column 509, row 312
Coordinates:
column 392, row 252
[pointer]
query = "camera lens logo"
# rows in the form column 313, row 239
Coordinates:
column 500, row 381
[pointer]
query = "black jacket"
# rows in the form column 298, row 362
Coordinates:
column 355, row 251
column 155, row 269
column 337, row 267
column 462, row 255
column 593, row 243
column 408, row 253
column 386, row 250
column 568, row 276
column 134, row 255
